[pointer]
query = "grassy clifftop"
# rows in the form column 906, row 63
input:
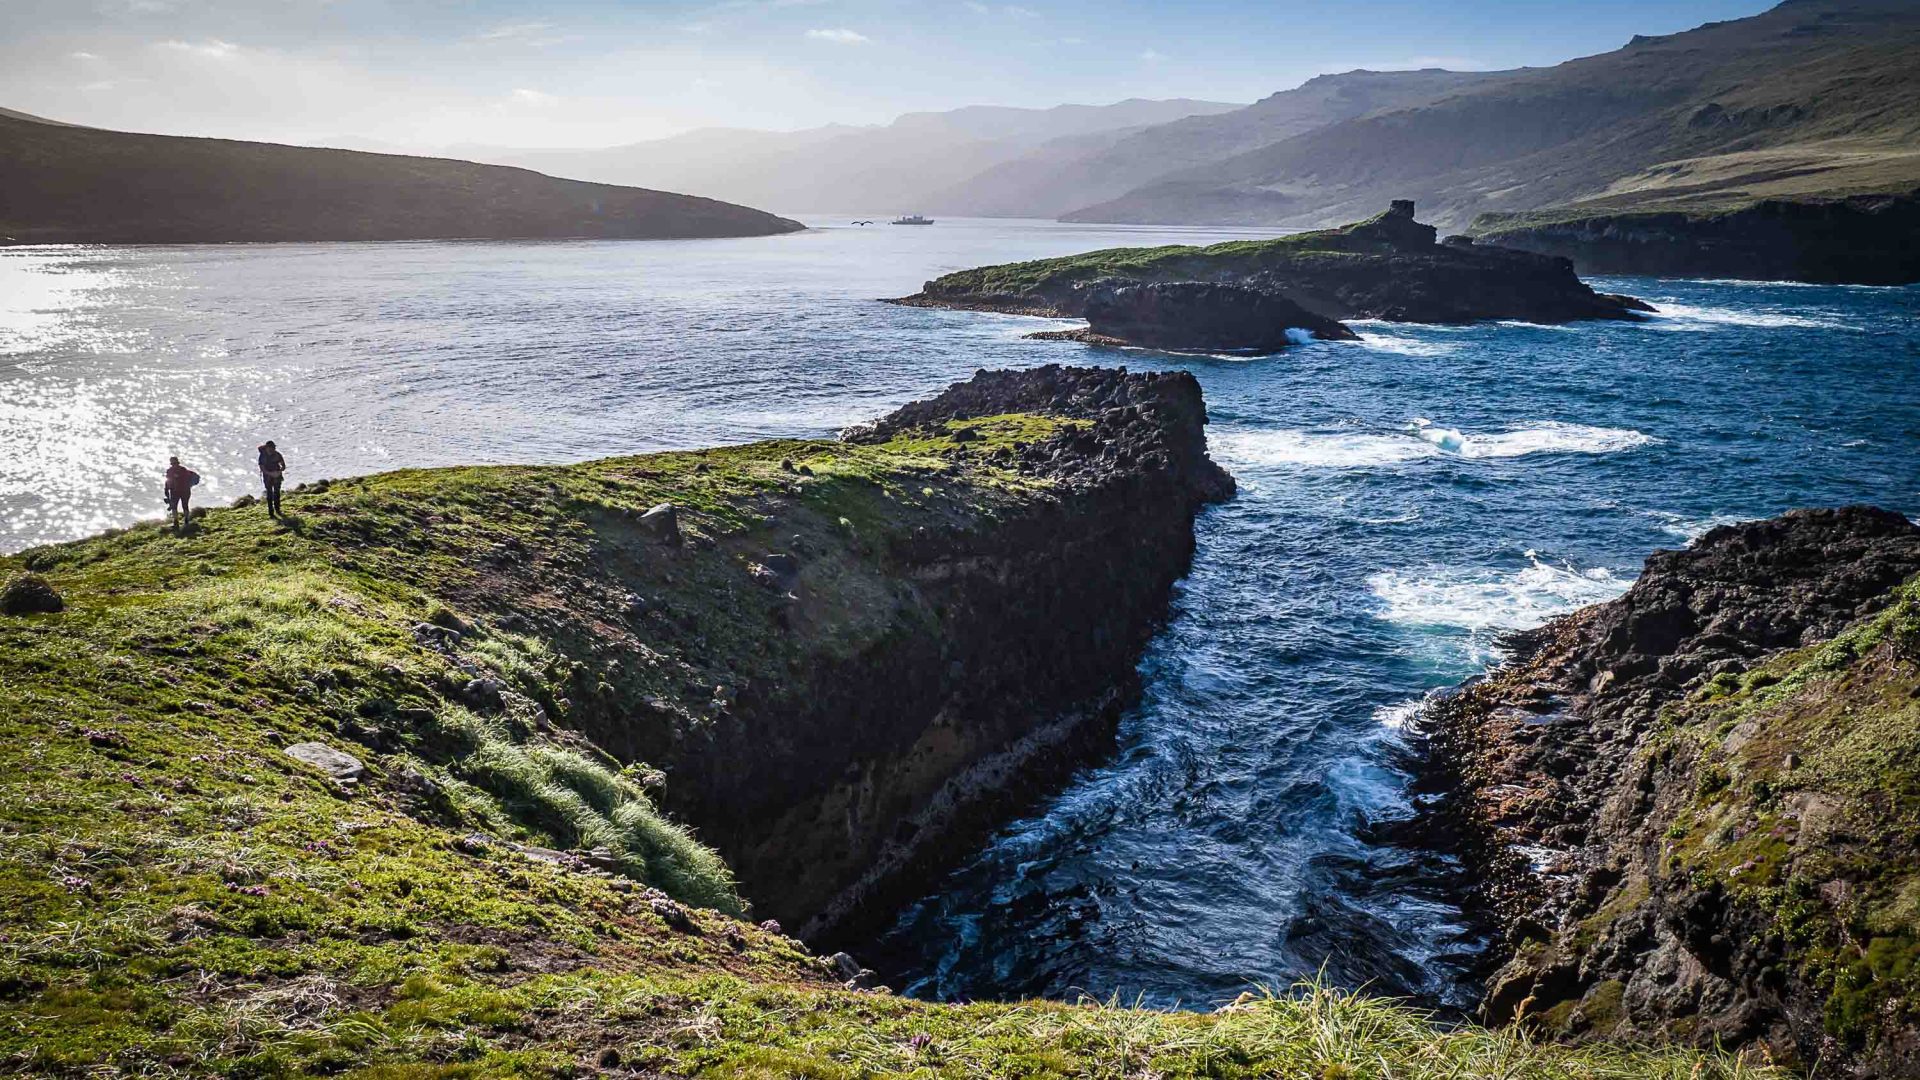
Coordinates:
column 485, row 890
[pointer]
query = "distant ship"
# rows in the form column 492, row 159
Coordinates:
column 913, row 219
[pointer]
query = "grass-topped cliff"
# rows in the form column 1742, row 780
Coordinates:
column 1385, row 267
column 486, row 880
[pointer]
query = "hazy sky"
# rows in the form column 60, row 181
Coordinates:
column 597, row 72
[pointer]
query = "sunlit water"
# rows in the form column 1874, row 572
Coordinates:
column 1403, row 501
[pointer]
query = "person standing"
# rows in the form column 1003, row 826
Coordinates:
column 179, row 492
column 273, row 470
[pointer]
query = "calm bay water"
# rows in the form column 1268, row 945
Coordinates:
column 1403, row 501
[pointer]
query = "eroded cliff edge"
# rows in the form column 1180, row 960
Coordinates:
column 1851, row 240
column 1698, row 806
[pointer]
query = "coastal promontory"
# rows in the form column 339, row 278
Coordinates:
column 1245, row 294
column 65, row 184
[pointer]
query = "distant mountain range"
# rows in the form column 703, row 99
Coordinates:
column 62, row 184
column 1814, row 97
column 883, row 169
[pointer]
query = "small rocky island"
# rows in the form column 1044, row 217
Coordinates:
column 1261, row 295
column 1694, row 807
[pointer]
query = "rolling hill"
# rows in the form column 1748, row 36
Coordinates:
column 1813, row 97
column 1066, row 174
column 61, row 184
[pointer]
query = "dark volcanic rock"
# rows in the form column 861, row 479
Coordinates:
column 1204, row 316
column 1858, row 240
column 1644, row 800
column 844, row 791
column 1387, row 267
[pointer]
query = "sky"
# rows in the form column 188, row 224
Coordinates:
column 427, row 74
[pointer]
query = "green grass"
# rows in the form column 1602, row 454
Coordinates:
column 185, row 899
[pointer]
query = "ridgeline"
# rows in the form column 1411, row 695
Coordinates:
column 63, row 184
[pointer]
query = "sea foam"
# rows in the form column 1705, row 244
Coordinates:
column 1491, row 600
column 1421, row 439
column 1678, row 316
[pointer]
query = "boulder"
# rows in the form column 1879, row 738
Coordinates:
column 663, row 522
column 338, row 764
column 30, row 594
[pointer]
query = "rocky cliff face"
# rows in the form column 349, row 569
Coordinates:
column 1859, row 240
column 1696, row 805
column 861, row 670
column 1387, row 267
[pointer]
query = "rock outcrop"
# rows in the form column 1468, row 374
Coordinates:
column 1199, row 316
column 1387, row 267
column 1695, row 804
column 1855, row 240
column 1013, row 653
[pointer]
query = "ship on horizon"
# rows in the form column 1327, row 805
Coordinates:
column 912, row 219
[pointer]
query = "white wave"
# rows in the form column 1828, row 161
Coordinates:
column 1406, row 346
column 1313, row 450
column 1492, row 600
column 1677, row 316
column 1422, row 439
column 1397, row 718
column 1299, row 336
column 1691, row 529
column 1550, row 437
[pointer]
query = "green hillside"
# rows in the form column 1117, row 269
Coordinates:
column 61, row 184
column 1811, row 97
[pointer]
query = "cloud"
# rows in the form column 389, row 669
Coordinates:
column 536, row 35
column 505, row 31
column 1011, row 11
column 1151, row 56
column 524, row 96
column 83, row 57
column 213, row 48
column 840, row 35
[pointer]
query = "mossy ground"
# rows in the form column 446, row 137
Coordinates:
column 1804, row 806
column 184, row 898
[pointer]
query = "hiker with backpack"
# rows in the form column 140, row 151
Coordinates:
column 179, row 492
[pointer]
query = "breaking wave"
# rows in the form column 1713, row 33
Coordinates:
column 1487, row 602
column 1421, row 439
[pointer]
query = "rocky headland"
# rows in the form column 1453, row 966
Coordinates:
column 1847, row 240
column 1697, row 808
column 1246, row 295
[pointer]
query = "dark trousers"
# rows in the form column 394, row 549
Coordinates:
column 273, row 494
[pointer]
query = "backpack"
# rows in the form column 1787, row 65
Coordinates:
column 193, row 479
